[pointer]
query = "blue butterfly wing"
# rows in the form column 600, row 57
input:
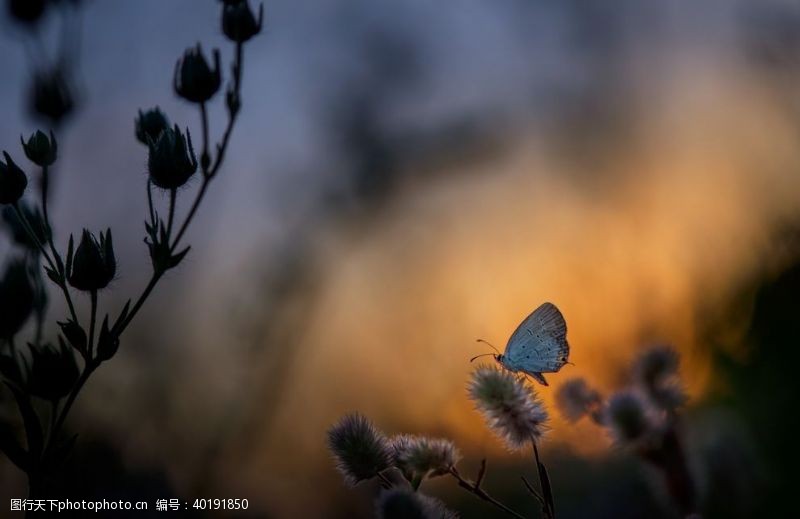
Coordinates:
column 539, row 344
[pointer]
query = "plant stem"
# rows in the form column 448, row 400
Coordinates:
column 548, row 508
column 481, row 493
column 62, row 284
column 172, row 193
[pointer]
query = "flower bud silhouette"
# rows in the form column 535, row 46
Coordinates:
column 194, row 80
column 16, row 298
column 12, row 181
column 238, row 21
column 27, row 12
column 401, row 503
column 656, row 373
column 172, row 161
column 510, row 406
column 417, row 457
column 51, row 95
column 93, row 265
column 40, row 149
column 361, row 451
column 53, row 371
column 150, row 124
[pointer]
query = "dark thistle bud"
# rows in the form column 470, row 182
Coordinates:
column 150, row 124
column 94, row 265
column 27, row 12
column 39, row 149
column 12, row 181
column 194, row 80
column 107, row 342
column 172, row 161
column 16, row 298
column 238, row 21
column 18, row 232
column 53, row 371
column 420, row 457
column 51, row 95
column 75, row 335
column 360, row 449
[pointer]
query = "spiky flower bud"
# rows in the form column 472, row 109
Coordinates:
column 403, row 503
column 53, row 371
column 238, row 21
column 17, row 230
column 172, row 161
column 360, row 449
column 51, row 95
column 107, row 342
column 418, row 456
column 17, row 298
column 12, row 181
column 150, row 124
column 194, row 79
column 510, row 406
column 628, row 418
column 40, row 149
column 94, row 265
column 575, row 399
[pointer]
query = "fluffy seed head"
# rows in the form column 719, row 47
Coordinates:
column 627, row 417
column 655, row 372
column 360, row 449
column 421, row 456
column 403, row 503
column 575, row 399
column 509, row 405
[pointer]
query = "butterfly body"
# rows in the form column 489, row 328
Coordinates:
column 538, row 345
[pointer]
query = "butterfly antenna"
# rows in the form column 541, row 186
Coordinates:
column 481, row 355
column 490, row 345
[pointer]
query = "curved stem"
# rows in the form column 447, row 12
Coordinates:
column 475, row 489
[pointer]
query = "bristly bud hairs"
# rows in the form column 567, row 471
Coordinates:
column 510, row 406
column 360, row 449
column 418, row 457
column 171, row 161
column 400, row 503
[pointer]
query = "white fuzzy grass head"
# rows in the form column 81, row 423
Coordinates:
column 421, row 456
column 360, row 449
column 510, row 406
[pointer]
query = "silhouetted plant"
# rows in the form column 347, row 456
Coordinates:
column 642, row 418
column 511, row 408
column 50, row 372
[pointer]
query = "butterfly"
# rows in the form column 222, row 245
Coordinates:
column 538, row 345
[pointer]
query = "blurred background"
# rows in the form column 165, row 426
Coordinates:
column 407, row 177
